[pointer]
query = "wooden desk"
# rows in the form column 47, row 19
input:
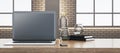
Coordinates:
column 96, row 46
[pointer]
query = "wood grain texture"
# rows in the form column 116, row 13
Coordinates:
column 60, row 50
column 73, row 47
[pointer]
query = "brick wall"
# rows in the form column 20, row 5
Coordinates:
column 5, row 32
column 100, row 32
column 69, row 8
column 97, row 32
column 38, row 5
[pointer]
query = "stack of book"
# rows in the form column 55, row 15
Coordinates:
column 81, row 37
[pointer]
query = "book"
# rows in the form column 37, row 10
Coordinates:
column 81, row 38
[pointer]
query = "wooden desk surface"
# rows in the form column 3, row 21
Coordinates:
column 97, row 43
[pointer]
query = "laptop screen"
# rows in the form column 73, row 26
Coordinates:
column 34, row 26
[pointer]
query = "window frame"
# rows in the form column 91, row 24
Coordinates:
column 8, row 13
column 13, row 10
column 94, row 14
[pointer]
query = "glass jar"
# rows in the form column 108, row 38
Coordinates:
column 64, row 27
column 78, row 29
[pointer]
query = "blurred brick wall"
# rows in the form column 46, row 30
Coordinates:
column 38, row 5
column 97, row 32
column 69, row 8
column 5, row 32
column 100, row 32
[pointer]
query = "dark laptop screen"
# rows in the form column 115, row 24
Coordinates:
column 34, row 26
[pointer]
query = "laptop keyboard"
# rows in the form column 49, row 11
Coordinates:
column 32, row 42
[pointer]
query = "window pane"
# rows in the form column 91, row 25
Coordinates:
column 84, row 6
column 103, row 20
column 85, row 19
column 22, row 5
column 116, row 19
column 116, row 5
column 5, row 19
column 103, row 5
column 6, row 5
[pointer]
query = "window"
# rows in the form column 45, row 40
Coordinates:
column 6, row 6
column 116, row 5
column 116, row 19
column 22, row 5
column 83, row 7
column 87, row 20
column 5, row 19
column 103, row 12
column 103, row 20
column 7, row 9
column 103, row 5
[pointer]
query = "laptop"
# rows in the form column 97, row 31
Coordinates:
column 33, row 28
